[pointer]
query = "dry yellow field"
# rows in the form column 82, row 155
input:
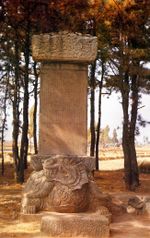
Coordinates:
column 117, row 153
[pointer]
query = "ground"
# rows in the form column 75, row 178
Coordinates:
column 123, row 225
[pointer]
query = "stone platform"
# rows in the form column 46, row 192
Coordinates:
column 90, row 225
column 33, row 217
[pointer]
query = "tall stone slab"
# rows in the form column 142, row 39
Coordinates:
column 63, row 94
column 63, row 109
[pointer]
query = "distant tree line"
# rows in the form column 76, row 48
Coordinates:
column 107, row 140
column 123, row 32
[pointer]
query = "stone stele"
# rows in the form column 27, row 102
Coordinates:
column 62, row 185
column 63, row 93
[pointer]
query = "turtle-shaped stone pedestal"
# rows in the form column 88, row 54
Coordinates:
column 63, row 190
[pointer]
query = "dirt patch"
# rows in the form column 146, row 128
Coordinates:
column 130, row 226
column 123, row 225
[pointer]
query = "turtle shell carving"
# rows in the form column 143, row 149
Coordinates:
column 62, row 185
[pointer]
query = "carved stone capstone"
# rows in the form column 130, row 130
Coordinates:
column 60, row 184
column 64, row 47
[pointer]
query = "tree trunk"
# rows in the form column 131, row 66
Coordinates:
column 125, row 141
column 125, row 138
column 2, row 151
column 15, row 132
column 4, row 127
column 134, row 108
column 24, row 138
column 126, row 151
column 92, row 112
column 99, row 117
column 128, row 142
column 35, row 109
column 2, row 148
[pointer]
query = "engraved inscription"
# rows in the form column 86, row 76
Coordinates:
column 64, row 46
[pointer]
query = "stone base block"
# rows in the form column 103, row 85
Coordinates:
column 90, row 225
column 33, row 217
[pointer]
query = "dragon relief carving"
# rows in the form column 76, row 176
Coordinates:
column 60, row 184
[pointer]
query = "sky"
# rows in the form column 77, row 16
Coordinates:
column 112, row 114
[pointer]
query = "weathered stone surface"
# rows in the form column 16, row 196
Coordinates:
column 33, row 217
column 63, row 109
column 139, row 205
column 91, row 225
column 63, row 94
column 62, row 184
column 97, row 198
column 64, row 46
column 38, row 160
